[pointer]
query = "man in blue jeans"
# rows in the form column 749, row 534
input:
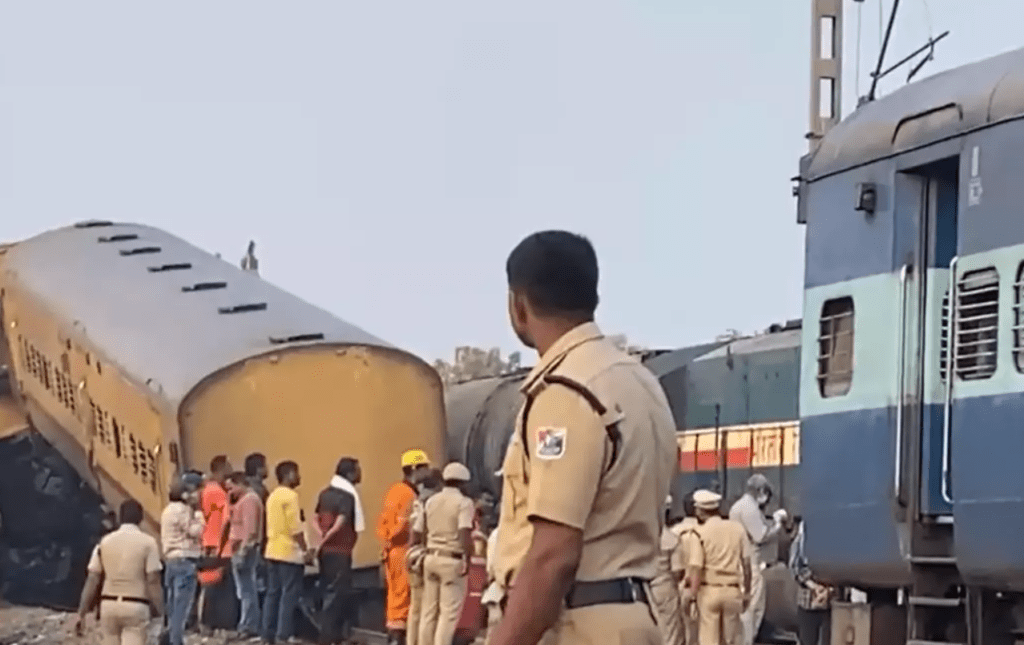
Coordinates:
column 286, row 554
column 245, row 535
column 181, row 526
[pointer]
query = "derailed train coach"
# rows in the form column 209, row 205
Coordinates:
column 735, row 406
column 139, row 356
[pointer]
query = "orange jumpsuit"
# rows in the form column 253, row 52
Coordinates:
column 394, row 534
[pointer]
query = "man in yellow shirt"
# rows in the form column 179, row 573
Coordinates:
column 286, row 553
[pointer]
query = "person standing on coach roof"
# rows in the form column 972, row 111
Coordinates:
column 587, row 469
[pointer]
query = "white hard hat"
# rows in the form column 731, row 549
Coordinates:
column 455, row 472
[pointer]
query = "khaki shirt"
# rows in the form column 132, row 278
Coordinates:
column 688, row 542
column 564, row 479
column 125, row 557
column 444, row 515
column 724, row 547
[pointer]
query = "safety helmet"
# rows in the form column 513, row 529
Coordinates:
column 411, row 458
column 456, row 472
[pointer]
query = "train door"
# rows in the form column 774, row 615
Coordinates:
column 929, row 250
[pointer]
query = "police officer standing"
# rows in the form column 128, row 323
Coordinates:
column 447, row 523
column 587, row 469
column 665, row 586
column 718, row 573
column 688, row 543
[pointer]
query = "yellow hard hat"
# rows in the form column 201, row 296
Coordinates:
column 414, row 458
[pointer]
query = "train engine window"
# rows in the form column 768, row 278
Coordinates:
column 1018, row 319
column 977, row 324
column 835, row 347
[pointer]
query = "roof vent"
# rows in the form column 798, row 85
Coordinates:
column 123, row 237
column 93, row 223
column 241, row 309
column 140, row 250
column 180, row 266
column 297, row 338
column 204, row 286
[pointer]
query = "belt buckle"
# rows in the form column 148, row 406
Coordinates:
column 633, row 595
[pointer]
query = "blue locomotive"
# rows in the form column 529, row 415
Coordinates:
column 911, row 480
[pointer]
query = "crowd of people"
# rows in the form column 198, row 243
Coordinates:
column 574, row 559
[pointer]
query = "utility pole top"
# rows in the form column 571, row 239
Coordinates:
column 826, row 68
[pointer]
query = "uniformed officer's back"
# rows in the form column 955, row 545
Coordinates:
column 588, row 467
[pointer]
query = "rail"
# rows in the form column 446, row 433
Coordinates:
column 947, row 407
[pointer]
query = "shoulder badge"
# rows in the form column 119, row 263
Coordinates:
column 550, row 442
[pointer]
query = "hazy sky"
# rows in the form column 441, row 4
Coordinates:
column 387, row 156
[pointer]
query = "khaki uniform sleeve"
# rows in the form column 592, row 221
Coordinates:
column 153, row 564
column 465, row 519
column 95, row 565
column 677, row 561
column 567, row 446
column 696, row 553
column 416, row 517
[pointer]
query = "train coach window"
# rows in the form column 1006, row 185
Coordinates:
column 1018, row 319
column 977, row 324
column 835, row 347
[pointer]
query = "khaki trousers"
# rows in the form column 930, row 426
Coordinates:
column 444, row 593
column 720, row 609
column 415, row 608
column 755, row 612
column 123, row 623
column 689, row 617
column 667, row 609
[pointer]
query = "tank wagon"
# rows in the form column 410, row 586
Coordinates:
column 139, row 356
column 910, row 461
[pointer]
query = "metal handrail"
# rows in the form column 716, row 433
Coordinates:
column 901, row 374
column 947, row 411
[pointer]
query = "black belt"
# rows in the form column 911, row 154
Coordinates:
column 606, row 592
column 144, row 601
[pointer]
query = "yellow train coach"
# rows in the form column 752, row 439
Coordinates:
column 139, row 356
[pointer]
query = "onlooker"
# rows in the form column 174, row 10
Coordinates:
column 814, row 600
column 256, row 472
column 217, row 598
column 286, row 553
column 339, row 520
column 124, row 572
column 245, row 536
column 181, row 526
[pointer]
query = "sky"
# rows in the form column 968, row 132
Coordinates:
column 386, row 157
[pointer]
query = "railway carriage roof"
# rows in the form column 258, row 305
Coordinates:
column 945, row 105
column 146, row 322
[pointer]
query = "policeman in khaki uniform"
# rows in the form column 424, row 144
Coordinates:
column 447, row 524
column 587, row 469
column 124, row 572
column 719, row 573
column 686, row 531
column 417, row 552
column 665, row 586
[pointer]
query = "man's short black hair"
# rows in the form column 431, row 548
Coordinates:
column 556, row 271
column 238, row 478
column 218, row 463
column 284, row 469
column 347, row 467
column 130, row 512
column 254, row 462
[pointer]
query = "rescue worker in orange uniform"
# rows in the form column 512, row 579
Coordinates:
column 394, row 532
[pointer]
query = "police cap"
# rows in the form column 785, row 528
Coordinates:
column 707, row 500
column 455, row 472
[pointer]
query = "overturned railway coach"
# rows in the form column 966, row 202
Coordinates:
column 138, row 356
column 915, row 252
